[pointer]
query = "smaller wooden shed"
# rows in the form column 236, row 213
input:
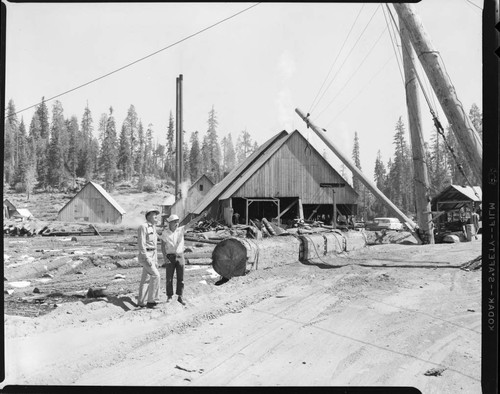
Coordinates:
column 92, row 204
column 454, row 205
column 195, row 194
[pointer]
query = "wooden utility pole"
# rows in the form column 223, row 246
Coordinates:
column 357, row 172
column 421, row 175
column 178, row 139
column 433, row 65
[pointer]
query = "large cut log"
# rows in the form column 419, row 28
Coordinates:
column 311, row 246
column 329, row 243
column 236, row 256
column 335, row 242
column 268, row 226
column 355, row 240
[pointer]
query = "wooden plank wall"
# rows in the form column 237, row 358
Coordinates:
column 295, row 171
column 90, row 206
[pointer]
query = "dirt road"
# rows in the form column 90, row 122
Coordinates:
column 291, row 325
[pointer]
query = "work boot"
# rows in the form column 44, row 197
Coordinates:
column 151, row 305
column 169, row 298
column 181, row 300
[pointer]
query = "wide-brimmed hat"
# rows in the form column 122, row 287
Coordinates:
column 151, row 210
column 171, row 218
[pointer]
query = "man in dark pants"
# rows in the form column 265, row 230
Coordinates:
column 172, row 247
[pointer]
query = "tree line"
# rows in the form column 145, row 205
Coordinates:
column 396, row 177
column 50, row 154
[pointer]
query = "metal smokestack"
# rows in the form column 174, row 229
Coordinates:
column 178, row 139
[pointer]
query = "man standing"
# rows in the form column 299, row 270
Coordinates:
column 150, row 280
column 475, row 222
column 172, row 247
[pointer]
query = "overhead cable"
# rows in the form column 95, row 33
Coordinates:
column 336, row 58
column 352, row 48
column 355, row 71
column 138, row 60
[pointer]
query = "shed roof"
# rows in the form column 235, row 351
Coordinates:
column 104, row 193
column 108, row 197
column 238, row 171
column 169, row 200
column 23, row 212
column 199, row 179
column 456, row 196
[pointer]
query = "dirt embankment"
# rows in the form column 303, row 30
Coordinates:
column 293, row 324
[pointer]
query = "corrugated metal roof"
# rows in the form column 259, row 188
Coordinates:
column 107, row 196
column 470, row 192
column 238, row 171
column 456, row 196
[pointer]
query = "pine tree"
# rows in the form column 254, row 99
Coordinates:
column 170, row 148
column 85, row 164
column 73, row 147
column 400, row 177
column 21, row 153
column 159, row 160
column 43, row 155
column 139, row 159
column 380, row 178
column 131, row 128
column 56, row 154
column 108, row 157
column 228, row 154
column 124, row 158
column 439, row 173
column 10, row 134
column 94, row 156
column 356, row 184
column 148, row 151
column 476, row 118
column 195, row 165
column 244, row 146
column 212, row 152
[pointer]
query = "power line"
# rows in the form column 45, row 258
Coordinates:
column 396, row 53
column 138, row 60
column 355, row 71
column 475, row 5
column 335, row 61
column 338, row 71
column 359, row 92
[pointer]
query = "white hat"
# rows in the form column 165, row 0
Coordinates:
column 151, row 210
column 171, row 218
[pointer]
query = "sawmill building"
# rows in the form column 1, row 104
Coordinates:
column 281, row 181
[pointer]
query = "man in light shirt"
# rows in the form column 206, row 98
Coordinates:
column 149, row 286
column 172, row 247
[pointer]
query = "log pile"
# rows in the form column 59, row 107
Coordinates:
column 33, row 227
column 24, row 228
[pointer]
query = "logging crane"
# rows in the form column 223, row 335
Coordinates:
column 415, row 38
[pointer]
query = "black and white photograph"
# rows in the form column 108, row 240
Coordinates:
column 233, row 194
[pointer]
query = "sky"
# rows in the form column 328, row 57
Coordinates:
column 333, row 60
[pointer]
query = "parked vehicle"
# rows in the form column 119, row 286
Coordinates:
column 384, row 224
